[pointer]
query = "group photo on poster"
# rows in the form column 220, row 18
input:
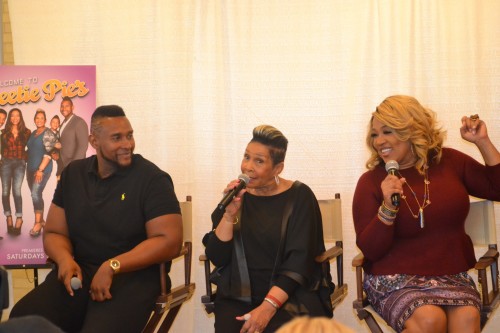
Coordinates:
column 44, row 125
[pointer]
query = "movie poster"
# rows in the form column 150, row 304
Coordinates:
column 35, row 147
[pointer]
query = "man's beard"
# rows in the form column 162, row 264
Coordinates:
column 115, row 163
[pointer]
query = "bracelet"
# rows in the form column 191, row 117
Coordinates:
column 388, row 210
column 275, row 300
column 383, row 214
column 235, row 221
column 385, row 220
column 270, row 301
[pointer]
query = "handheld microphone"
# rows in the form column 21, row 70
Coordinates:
column 76, row 283
column 391, row 167
column 228, row 197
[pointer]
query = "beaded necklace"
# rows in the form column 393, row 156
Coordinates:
column 425, row 202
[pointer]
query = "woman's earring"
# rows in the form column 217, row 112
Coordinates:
column 277, row 180
column 412, row 150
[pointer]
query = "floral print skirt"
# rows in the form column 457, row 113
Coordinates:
column 396, row 297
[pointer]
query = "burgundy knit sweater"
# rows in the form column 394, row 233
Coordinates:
column 442, row 246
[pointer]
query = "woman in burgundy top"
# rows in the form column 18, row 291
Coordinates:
column 14, row 138
column 409, row 211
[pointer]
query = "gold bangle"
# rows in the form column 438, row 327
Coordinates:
column 385, row 215
column 391, row 210
column 235, row 221
column 386, row 212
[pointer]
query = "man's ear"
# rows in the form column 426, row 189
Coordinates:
column 93, row 141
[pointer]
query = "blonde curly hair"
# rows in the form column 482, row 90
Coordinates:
column 411, row 122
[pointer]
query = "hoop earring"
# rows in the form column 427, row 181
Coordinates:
column 277, row 180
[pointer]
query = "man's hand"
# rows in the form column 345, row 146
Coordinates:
column 66, row 270
column 101, row 283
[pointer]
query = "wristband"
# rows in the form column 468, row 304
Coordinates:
column 270, row 301
column 275, row 300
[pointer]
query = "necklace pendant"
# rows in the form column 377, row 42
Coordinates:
column 421, row 215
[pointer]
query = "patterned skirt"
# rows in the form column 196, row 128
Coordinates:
column 396, row 297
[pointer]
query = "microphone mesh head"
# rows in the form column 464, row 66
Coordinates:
column 391, row 165
column 244, row 178
column 76, row 283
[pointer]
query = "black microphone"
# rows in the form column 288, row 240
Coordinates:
column 228, row 197
column 391, row 167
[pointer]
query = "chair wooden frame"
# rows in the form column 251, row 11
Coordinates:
column 331, row 212
column 4, row 290
column 170, row 301
column 480, row 226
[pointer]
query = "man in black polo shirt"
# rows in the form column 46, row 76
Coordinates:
column 114, row 216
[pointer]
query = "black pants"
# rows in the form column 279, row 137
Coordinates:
column 227, row 310
column 134, row 295
column 29, row 324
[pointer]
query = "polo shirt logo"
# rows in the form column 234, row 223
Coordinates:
column 123, row 196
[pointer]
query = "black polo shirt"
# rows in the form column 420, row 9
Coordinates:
column 106, row 217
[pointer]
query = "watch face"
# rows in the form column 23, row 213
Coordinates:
column 115, row 264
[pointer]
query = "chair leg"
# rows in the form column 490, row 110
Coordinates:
column 369, row 320
column 484, row 319
column 169, row 319
column 153, row 321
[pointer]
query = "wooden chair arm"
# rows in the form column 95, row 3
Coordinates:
column 358, row 260
column 175, row 297
column 329, row 254
column 335, row 253
column 491, row 253
column 484, row 262
column 488, row 259
column 360, row 302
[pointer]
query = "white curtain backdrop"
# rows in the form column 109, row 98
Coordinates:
column 196, row 76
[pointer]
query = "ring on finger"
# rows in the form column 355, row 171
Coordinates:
column 474, row 117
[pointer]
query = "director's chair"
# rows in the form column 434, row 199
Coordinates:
column 170, row 301
column 480, row 226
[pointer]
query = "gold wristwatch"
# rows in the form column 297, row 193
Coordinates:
column 115, row 265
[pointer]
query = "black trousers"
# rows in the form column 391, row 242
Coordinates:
column 226, row 311
column 134, row 295
column 29, row 324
